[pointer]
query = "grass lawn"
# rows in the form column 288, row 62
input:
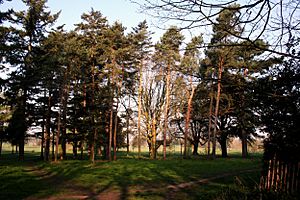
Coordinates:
column 126, row 178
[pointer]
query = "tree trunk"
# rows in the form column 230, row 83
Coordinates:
column 43, row 130
column 99, row 151
column 223, row 144
column 166, row 111
column 63, row 133
column 110, row 131
column 127, row 130
column 181, row 148
column 153, row 142
column 106, row 147
column 57, row 136
column 63, row 106
column 195, row 151
column 220, row 68
column 81, row 150
column 244, row 145
column 187, row 121
column 48, row 121
column 140, row 109
column 43, row 139
column 84, row 111
column 24, row 127
column 93, row 142
column 150, row 149
column 93, row 147
column 64, row 116
column 209, row 123
column 21, row 148
column 111, row 122
column 1, row 142
column 115, row 134
column 61, row 125
column 53, row 146
column 75, row 145
column 116, row 120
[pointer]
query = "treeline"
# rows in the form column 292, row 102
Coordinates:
column 97, row 87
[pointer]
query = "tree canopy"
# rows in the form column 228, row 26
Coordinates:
column 95, row 85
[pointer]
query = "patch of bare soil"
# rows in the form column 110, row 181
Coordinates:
column 72, row 191
column 172, row 189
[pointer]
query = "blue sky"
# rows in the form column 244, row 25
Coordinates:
column 115, row 10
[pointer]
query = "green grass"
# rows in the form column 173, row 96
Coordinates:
column 127, row 177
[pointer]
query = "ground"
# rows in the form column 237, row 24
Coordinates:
column 126, row 178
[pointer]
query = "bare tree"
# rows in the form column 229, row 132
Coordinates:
column 271, row 20
column 152, row 104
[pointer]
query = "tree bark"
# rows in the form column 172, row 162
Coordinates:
column 43, row 130
column 93, row 142
column 63, row 124
column 93, row 152
column 75, row 150
column 187, row 121
column 21, row 148
column 21, row 141
column 53, row 146
column 220, row 68
column 153, row 143
column 43, row 139
column 110, row 131
column 116, row 120
column 81, row 150
column 1, row 142
column 64, row 102
column 48, row 121
column 166, row 111
column 210, row 123
column 111, row 116
column 75, row 145
column 115, row 135
column 140, row 109
column 244, row 145
column 223, row 144
column 127, row 130
column 84, row 111
column 57, row 136
column 195, row 151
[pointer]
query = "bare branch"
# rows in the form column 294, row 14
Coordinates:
column 260, row 19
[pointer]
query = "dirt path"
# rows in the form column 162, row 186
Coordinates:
column 72, row 191
column 172, row 189
column 207, row 180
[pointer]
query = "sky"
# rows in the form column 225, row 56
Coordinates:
column 115, row 10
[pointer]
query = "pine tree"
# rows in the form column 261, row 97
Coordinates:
column 140, row 40
column 166, row 58
column 220, row 55
column 24, row 38
column 190, row 64
column 233, row 60
column 92, row 32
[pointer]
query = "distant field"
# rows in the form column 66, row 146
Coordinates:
column 126, row 178
column 172, row 150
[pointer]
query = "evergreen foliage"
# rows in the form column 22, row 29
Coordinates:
column 73, row 84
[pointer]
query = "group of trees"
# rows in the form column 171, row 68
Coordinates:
column 88, row 86
column 276, row 101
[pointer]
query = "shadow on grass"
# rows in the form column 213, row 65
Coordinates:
column 16, row 181
column 126, row 178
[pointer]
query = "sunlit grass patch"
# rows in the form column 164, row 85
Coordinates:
column 133, row 178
